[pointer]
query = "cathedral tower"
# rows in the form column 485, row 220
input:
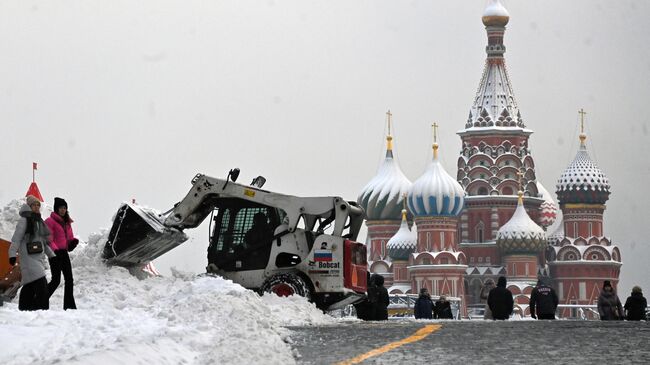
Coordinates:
column 382, row 199
column 494, row 150
column 584, row 258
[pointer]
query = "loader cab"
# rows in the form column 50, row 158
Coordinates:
column 241, row 234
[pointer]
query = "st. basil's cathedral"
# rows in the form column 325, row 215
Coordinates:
column 495, row 218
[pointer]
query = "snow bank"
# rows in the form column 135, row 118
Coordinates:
column 183, row 319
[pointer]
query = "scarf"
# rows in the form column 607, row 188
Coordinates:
column 35, row 225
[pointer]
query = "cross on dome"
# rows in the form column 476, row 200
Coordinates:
column 583, row 136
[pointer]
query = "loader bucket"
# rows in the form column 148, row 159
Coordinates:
column 138, row 236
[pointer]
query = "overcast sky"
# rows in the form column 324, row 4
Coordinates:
column 121, row 99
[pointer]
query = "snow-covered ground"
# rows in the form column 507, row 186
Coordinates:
column 182, row 319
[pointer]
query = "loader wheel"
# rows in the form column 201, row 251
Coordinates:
column 284, row 285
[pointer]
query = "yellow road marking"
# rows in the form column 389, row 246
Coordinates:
column 417, row 336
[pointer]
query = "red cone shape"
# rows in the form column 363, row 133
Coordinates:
column 33, row 190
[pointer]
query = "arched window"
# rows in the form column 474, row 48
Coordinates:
column 479, row 232
column 482, row 190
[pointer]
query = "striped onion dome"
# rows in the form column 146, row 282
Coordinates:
column 548, row 209
column 436, row 193
column 521, row 234
column 583, row 182
column 382, row 198
column 403, row 243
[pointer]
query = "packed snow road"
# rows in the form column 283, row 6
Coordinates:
column 474, row 342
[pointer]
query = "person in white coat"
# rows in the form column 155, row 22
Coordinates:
column 30, row 243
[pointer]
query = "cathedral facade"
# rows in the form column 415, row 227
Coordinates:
column 494, row 218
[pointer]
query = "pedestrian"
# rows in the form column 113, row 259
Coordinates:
column 543, row 301
column 381, row 306
column 61, row 242
column 500, row 300
column 29, row 242
column 485, row 291
column 635, row 305
column 609, row 306
column 443, row 308
column 423, row 308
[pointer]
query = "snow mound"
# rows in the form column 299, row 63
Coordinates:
column 166, row 320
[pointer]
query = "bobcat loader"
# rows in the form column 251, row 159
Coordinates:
column 265, row 241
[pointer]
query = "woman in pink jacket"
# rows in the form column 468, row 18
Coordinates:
column 61, row 241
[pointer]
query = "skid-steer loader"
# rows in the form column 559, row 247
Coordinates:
column 265, row 241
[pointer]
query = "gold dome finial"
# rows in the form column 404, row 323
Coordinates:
column 434, row 126
column 404, row 211
column 389, row 138
column 583, row 136
column 495, row 14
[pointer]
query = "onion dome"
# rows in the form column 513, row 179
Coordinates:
column 403, row 243
column 548, row 209
column 436, row 193
column 521, row 234
column 382, row 197
column 583, row 182
column 495, row 14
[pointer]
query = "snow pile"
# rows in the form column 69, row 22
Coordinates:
column 180, row 319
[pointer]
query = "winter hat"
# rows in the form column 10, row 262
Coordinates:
column 607, row 284
column 423, row 290
column 636, row 289
column 31, row 200
column 58, row 203
column 502, row 281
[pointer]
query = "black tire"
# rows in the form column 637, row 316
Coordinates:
column 286, row 285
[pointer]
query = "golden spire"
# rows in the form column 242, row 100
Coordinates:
column 520, row 193
column 389, row 138
column 434, row 126
column 583, row 136
column 404, row 207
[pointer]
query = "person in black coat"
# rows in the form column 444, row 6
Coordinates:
column 443, row 309
column 500, row 300
column 635, row 305
column 543, row 301
column 381, row 294
column 423, row 308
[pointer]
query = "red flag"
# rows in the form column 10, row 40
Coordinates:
column 34, row 166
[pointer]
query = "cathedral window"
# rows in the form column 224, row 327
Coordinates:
column 479, row 232
column 482, row 190
column 487, row 259
column 471, row 260
column 480, row 259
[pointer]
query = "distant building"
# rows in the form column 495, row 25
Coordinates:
column 494, row 218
